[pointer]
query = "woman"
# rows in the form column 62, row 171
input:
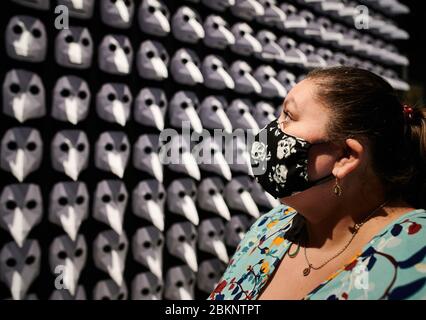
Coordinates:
column 347, row 161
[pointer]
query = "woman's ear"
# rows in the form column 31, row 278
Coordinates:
column 351, row 159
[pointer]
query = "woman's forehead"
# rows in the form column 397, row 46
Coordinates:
column 302, row 97
column 310, row 116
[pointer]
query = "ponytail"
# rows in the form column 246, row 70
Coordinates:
column 415, row 194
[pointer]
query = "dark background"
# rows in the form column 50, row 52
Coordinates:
column 415, row 48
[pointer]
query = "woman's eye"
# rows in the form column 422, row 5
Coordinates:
column 287, row 116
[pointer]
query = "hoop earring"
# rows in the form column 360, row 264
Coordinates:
column 337, row 188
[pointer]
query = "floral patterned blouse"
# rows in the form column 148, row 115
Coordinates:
column 391, row 266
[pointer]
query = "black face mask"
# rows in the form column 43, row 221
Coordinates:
column 280, row 162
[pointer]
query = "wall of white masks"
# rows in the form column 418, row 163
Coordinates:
column 87, row 208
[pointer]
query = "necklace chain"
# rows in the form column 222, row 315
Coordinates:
column 356, row 228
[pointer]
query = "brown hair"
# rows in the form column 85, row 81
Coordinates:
column 365, row 105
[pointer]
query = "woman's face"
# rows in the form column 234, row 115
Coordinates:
column 307, row 118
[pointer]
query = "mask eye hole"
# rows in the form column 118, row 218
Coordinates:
column 15, row 88
column 36, row 33
column 31, row 204
column 34, row 90
column 82, row 95
column 69, row 39
column 12, row 145
column 30, row 260
column 11, row 262
column 17, row 29
column 85, row 42
column 65, row 93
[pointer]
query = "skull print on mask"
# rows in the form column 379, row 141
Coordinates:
column 210, row 197
column 210, row 157
column 147, row 248
column 212, row 113
column 26, row 39
column 271, row 87
column 117, row 13
column 180, row 283
column 181, row 241
column 236, row 229
column 152, row 61
column 74, row 48
column 148, row 202
column 150, row 107
column 145, row 156
column 69, row 206
column 239, row 113
column 245, row 83
column 109, row 253
column 215, row 73
column 154, row 18
column 19, row 266
column 79, row 8
column 182, row 110
column 71, row 99
column 176, row 154
column 112, row 152
column 108, row 290
column 263, row 112
column 240, row 161
column 247, row 9
column 218, row 34
column 238, row 196
column 245, row 43
column 185, row 67
column 68, row 257
column 209, row 274
column 115, row 55
column 146, row 286
column 181, row 195
column 211, row 238
column 186, row 25
column 70, row 152
column 113, row 103
column 220, row 5
column 21, row 151
column 21, row 209
column 23, row 95
column 110, row 204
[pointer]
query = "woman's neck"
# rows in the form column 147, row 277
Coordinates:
column 331, row 231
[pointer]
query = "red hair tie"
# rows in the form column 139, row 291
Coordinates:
column 408, row 112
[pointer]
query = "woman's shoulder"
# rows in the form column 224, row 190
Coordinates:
column 403, row 236
column 391, row 266
column 408, row 226
column 274, row 219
